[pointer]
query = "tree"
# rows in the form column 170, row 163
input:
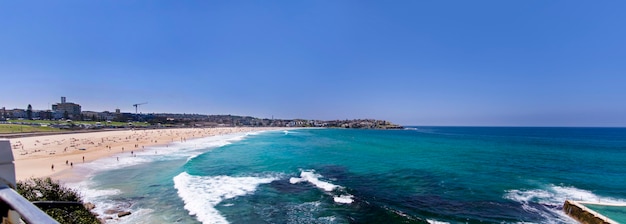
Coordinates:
column 29, row 112
column 66, row 115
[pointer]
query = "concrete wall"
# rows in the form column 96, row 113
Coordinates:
column 7, row 168
column 585, row 215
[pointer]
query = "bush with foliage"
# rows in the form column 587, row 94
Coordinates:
column 45, row 189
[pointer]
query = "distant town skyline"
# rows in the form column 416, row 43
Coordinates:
column 465, row 63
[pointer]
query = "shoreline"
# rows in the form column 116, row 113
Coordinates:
column 54, row 155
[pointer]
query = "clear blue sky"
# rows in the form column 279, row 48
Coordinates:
column 511, row 63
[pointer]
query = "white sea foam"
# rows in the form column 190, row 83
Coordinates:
column 289, row 132
column 194, row 156
column 313, row 178
column 202, row 194
column 436, row 222
column 100, row 197
column 89, row 193
column 553, row 197
column 112, row 163
column 213, row 141
column 255, row 133
column 556, row 195
column 344, row 199
column 138, row 216
column 177, row 150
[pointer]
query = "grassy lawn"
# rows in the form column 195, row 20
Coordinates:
column 22, row 126
column 18, row 128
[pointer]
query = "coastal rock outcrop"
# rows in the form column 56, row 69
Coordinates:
column 89, row 206
column 111, row 211
column 122, row 214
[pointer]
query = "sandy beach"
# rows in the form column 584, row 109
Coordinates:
column 50, row 155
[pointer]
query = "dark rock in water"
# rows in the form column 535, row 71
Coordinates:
column 111, row 211
column 285, row 187
column 333, row 172
column 122, row 214
column 132, row 200
column 89, row 206
column 126, row 202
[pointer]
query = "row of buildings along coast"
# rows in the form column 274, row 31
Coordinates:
column 72, row 111
column 63, row 110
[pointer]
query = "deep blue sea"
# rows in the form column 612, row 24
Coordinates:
column 416, row 175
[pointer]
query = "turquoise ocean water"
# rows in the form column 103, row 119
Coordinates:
column 417, row 175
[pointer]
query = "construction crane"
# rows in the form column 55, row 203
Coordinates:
column 137, row 105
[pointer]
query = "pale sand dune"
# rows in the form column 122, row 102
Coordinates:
column 35, row 156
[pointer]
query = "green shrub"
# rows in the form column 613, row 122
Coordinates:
column 45, row 189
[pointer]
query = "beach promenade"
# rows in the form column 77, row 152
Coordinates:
column 50, row 155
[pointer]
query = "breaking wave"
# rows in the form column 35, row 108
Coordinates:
column 313, row 178
column 202, row 193
column 548, row 202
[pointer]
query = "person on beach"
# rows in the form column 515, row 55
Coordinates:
column 83, row 159
column 72, row 164
column 52, row 167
